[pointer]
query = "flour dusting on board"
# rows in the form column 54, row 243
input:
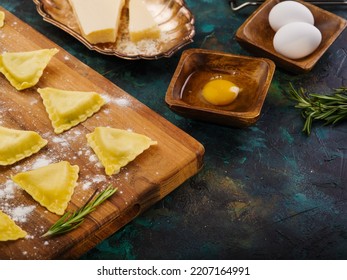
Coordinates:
column 86, row 185
column 7, row 191
column 93, row 158
column 89, row 182
column 99, row 178
column 40, row 162
column 18, row 213
column 60, row 140
column 119, row 101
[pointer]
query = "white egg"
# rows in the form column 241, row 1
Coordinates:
column 287, row 12
column 297, row 39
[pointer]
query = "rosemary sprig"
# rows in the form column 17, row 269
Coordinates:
column 329, row 108
column 71, row 220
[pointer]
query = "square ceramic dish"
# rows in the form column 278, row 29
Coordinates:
column 256, row 35
column 197, row 67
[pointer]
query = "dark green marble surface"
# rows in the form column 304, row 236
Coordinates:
column 265, row 192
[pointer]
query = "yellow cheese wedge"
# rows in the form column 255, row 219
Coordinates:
column 52, row 185
column 98, row 19
column 115, row 148
column 8, row 229
column 18, row 144
column 2, row 18
column 141, row 22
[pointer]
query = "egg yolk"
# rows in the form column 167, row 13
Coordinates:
column 220, row 92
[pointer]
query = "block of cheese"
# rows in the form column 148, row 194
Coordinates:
column 141, row 22
column 98, row 19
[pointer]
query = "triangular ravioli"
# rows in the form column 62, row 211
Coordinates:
column 18, row 144
column 8, row 229
column 52, row 185
column 69, row 108
column 115, row 148
column 24, row 69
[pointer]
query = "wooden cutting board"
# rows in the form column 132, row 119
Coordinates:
column 147, row 179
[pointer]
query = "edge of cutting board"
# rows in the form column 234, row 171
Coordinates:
column 180, row 155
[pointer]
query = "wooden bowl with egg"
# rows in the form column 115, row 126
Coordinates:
column 257, row 36
column 219, row 87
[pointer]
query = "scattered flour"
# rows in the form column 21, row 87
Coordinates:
column 20, row 213
column 106, row 98
column 93, row 158
column 99, row 165
column 40, row 162
column 95, row 179
column 99, row 178
column 8, row 191
column 88, row 152
column 86, row 185
column 17, row 213
column 33, row 102
column 122, row 102
column 60, row 140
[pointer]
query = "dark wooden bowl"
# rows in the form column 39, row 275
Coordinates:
column 256, row 35
column 196, row 67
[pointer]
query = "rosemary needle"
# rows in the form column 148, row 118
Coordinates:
column 71, row 220
column 329, row 108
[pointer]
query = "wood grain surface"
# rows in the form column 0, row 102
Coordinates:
column 147, row 179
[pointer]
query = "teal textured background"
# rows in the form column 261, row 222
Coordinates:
column 265, row 192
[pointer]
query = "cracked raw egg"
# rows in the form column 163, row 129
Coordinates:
column 220, row 92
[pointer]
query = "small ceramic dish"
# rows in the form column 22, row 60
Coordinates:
column 175, row 21
column 197, row 67
column 256, row 35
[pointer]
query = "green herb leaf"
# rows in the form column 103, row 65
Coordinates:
column 330, row 108
column 71, row 220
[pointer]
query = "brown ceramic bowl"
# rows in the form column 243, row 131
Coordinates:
column 256, row 35
column 197, row 66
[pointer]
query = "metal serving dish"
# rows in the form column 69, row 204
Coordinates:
column 175, row 20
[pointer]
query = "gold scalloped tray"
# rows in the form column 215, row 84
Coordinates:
column 175, row 20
